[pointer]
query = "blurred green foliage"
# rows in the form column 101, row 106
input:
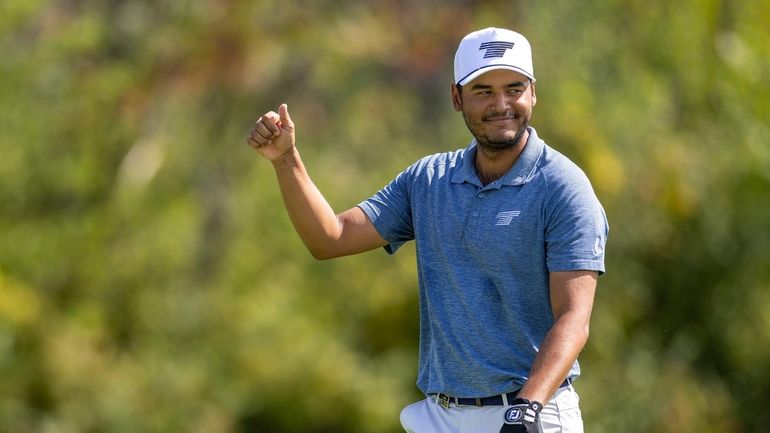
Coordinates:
column 150, row 280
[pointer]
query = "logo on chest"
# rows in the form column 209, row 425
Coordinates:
column 505, row 218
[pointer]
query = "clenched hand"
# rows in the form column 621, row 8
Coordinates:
column 273, row 134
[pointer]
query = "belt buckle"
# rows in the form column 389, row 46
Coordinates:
column 443, row 400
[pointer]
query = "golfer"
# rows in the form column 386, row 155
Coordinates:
column 510, row 241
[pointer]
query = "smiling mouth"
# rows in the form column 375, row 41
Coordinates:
column 503, row 118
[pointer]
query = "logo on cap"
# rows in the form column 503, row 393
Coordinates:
column 495, row 48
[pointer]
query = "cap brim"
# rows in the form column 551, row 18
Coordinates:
column 484, row 69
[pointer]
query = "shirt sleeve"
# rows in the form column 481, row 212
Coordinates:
column 576, row 226
column 390, row 211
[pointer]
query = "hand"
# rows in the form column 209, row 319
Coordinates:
column 522, row 417
column 273, row 134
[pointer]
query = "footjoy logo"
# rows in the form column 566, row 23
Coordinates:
column 513, row 414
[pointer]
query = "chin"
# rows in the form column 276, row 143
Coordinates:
column 497, row 143
column 503, row 141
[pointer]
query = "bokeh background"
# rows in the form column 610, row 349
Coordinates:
column 150, row 280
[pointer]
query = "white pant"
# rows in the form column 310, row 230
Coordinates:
column 560, row 415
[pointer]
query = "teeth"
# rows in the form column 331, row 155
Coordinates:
column 511, row 117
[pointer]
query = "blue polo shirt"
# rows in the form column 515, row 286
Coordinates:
column 484, row 254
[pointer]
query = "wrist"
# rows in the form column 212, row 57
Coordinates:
column 536, row 390
column 289, row 159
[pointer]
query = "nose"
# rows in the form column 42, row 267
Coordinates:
column 501, row 102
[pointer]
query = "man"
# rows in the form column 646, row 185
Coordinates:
column 510, row 242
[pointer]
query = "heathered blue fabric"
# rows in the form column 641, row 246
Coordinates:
column 483, row 256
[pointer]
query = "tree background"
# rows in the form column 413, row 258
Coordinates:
column 150, row 280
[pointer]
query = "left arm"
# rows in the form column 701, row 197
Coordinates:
column 572, row 297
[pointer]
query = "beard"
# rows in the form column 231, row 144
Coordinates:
column 504, row 142
column 499, row 141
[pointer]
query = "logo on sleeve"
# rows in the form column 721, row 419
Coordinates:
column 599, row 246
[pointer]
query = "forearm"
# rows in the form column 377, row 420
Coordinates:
column 313, row 218
column 555, row 358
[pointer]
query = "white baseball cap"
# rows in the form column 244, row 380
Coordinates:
column 492, row 48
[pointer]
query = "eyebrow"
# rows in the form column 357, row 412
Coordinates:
column 508, row 86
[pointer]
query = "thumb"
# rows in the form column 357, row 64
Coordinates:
column 283, row 113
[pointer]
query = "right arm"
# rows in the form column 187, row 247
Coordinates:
column 325, row 234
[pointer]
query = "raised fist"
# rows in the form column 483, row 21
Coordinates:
column 273, row 134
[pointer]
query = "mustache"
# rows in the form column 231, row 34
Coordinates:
column 500, row 116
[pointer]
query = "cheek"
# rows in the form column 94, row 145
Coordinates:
column 524, row 108
column 471, row 118
column 473, row 111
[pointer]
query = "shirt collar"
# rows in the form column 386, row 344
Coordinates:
column 519, row 174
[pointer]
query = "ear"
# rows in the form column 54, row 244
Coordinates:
column 457, row 98
column 534, row 93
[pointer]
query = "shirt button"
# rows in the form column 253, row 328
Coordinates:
column 475, row 214
column 481, row 194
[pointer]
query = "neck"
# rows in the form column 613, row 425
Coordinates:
column 492, row 163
